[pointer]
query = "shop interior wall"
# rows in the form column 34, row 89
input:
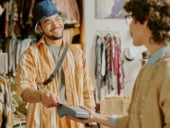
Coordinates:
column 92, row 25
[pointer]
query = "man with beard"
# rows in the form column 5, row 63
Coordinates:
column 71, row 85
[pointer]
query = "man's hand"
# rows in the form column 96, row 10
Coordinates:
column 49, row 99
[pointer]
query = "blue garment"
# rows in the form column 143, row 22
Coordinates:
column 158, row 54
column 113, row 120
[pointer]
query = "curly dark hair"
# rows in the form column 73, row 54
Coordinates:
column 156, row 12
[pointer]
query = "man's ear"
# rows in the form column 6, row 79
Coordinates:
column 146, row 22
column 39, row 28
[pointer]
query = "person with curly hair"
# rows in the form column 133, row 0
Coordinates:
column 150, row 102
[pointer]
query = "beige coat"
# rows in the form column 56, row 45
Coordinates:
column 150, row 106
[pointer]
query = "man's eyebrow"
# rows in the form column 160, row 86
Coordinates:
column 48, row 19
column 58, row 16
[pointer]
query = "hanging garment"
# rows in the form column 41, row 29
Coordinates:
column 22, row 45
column 70, row 7
column 118, row 67
column 3, row 63
column 12, row 55
column 5, row 105
column 109, row 65
column 100, row 68
column 110, row 68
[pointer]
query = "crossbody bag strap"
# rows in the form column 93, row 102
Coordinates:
column 55, row 70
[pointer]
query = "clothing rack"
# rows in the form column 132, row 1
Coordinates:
column 109, row 65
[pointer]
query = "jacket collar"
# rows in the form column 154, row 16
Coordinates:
column 158, row 54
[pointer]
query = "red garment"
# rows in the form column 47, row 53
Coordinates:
column 117, row 63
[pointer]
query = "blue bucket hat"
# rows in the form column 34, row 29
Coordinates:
column 43, row 10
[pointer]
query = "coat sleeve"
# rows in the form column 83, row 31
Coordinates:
column 26, row 71
column 84, row 79
column 89, row 87
column 163, row 76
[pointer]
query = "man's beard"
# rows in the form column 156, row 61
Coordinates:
column 51, row 37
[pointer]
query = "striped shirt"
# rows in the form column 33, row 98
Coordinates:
column 35, row 66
